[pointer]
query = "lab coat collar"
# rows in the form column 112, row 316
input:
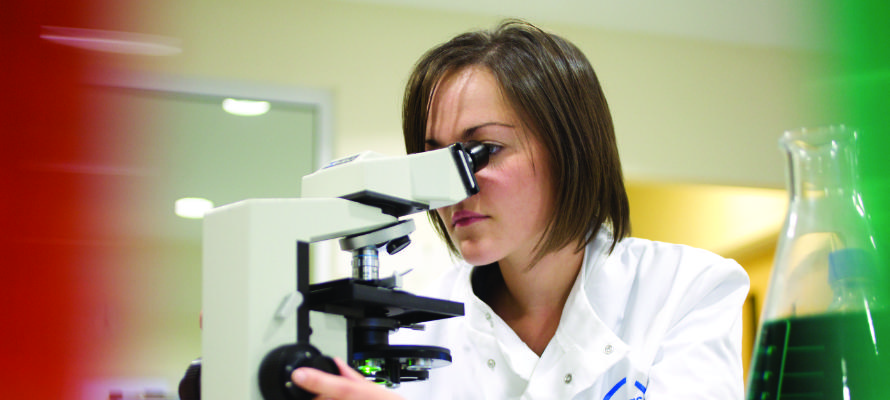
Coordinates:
column 485, row 326
column 589, row 345
column 583, row 345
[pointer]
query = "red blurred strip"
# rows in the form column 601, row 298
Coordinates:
column 41, row 281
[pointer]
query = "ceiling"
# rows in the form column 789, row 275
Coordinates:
column 786, row 23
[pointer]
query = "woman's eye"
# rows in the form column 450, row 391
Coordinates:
column 493, row 148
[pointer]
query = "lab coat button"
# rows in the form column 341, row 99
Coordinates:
column 568, row 378
column 490, row 363
column 488, row 316
column 608, row 349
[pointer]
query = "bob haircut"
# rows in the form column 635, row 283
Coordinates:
column 554, row 90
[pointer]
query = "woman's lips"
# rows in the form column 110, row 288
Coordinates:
column 464, row 218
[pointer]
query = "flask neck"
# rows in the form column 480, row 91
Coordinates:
column 823, row 184
column 821, row 164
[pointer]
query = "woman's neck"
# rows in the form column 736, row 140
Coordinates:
column 531, row 300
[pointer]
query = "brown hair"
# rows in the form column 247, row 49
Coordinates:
column 553, row 88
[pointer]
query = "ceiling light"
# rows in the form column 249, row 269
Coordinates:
column 192, row 207
column 245, row 108
column 112, row 41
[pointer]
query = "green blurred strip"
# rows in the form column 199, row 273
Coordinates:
column 861, row 42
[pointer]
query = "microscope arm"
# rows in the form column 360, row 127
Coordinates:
column 318, row 219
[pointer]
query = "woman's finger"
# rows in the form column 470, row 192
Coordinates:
column 350, row 386
column 347, row 371
column 321, row 383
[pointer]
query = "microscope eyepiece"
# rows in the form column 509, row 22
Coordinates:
column 470, row 157
column 478, row 153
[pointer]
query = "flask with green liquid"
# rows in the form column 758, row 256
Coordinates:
column 825, row 332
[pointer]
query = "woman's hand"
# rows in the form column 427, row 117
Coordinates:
column 349, row 385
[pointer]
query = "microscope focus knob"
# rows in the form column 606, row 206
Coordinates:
column 190, row 385
column 278, row 365
column 398, row 244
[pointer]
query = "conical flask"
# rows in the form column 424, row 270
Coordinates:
column 824, row 331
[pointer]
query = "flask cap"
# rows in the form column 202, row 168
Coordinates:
column 849, row 263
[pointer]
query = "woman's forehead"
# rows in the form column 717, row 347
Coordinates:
column 467, row 98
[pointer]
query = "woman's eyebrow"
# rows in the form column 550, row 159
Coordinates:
column 472, row 130
column 466, row 135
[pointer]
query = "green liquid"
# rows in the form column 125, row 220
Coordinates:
column 829, row 356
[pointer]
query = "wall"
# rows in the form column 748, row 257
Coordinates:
column 685, row 110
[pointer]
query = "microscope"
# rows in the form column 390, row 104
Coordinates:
column 261, row 317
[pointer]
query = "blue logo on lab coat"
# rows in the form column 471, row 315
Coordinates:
column 623, row 382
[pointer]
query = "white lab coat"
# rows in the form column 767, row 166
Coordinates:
column 649, row 321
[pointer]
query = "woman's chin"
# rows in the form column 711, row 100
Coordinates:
column 478, row 258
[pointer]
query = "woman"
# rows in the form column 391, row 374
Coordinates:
column 559, row 302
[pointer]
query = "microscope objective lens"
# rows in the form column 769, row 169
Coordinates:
column 365, row 264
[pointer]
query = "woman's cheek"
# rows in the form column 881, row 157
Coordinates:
column 444, row 214
column 485, row 178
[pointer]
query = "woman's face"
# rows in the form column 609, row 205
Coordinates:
column 506, row 219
